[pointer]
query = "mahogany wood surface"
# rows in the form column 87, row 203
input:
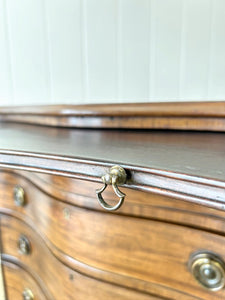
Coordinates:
column 17, row 280
column 184, row 165
column 208, row 109
column 80, row 193
column 174, row 205
column 147, row 259
column 184, row 116
column 60, row 281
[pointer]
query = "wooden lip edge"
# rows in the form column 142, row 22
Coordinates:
column 78, row 266
column 106, row 164
column 201, row 123
column 203, row 116
column 9, row 259
column 181, row 186
column 167, row 109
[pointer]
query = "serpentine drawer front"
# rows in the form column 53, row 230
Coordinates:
column 112, row 214
column 17, row 280
column 140, row 255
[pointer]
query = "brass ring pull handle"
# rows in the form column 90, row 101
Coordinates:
column 116, row 176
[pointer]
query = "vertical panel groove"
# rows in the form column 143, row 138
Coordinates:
column 182, row 47
column 210, row 46
column 47, row 52
column 152, row 51
column 84, row 46
column 149, row 49
column 119, row 52
column 9, row 56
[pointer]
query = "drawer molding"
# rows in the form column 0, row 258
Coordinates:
column 198, row 190
column 13, row 260
column 120, row 280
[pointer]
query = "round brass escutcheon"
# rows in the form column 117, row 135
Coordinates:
column 28, row 295
column 24, row 245
column 19, row 196
column 208, row 269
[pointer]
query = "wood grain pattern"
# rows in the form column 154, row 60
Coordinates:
column 168, row 109
column 80, row 193
column 174, row 206
column 61, row 281
column 185, row 116
column 17, row 280
column 187, row 166
column 156, row 257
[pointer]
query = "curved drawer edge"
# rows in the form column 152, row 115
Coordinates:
column 150, row 288
column 11, row 259
column 169, row 183
column 87, row 201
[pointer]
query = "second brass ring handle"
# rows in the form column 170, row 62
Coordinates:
column 116, row 176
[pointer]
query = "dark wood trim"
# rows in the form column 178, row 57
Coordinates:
column 208, row 116
column 192, row 188
column 198, row 190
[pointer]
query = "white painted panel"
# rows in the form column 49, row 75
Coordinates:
column 28, row 51
column 101, row 46
column 63, row 20
column 216, row 84
column 195, row 49
column 167, row 37
column 98, row 51
column 134, row 49
column 6, row 95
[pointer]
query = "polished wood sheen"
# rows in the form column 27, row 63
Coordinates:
column 188, row 166
column 174, row 205
column 178, row 115
column 75, row 286
column 17, row 280
column 116, row 265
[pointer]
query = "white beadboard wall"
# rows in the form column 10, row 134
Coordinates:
column 98, row 51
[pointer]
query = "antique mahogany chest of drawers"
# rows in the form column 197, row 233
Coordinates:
column 113, row 202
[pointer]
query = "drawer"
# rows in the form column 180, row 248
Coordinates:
column 19, row 283
column 57, row 280
column 134, row 252
column 137, row 203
